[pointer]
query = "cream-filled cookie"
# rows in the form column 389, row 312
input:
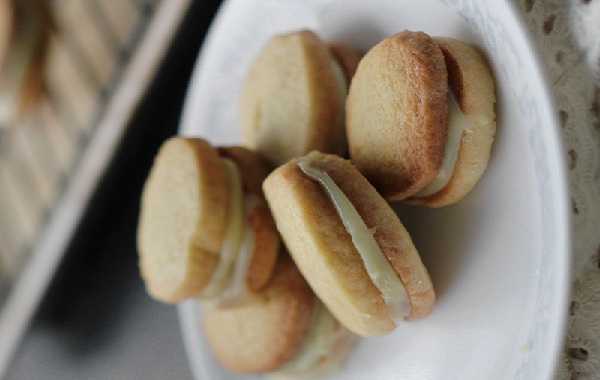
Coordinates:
column 349, row 244
column 421, row 118
column 204, row 227
column 286, row 331
column 294, row 95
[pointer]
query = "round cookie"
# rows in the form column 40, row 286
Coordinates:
column 347, row 57
column 396, row 114
column 293, row 98
column 325, row 252
column 265, row 334
column 183, row 218
column 266, row 247
column 470, row 79
column 185, row 215
column 272, row 332
column 254, row 169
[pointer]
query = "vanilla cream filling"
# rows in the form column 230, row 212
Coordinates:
column 236, row 290
column 234, row 234
column 318, row 343
column 457, row 124
column 379, row 269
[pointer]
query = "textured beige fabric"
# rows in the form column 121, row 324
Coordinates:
column 578, row 103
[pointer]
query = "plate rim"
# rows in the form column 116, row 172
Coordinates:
column 564, row 189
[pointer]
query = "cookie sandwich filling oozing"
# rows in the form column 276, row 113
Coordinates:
column 378, row 268
column 457, row 124
column 228, row 281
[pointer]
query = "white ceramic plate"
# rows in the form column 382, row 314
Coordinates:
column 499, row 260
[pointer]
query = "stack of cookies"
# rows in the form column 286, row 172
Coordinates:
column 290, row 241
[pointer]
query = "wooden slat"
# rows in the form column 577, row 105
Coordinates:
column 122, row 17
column 62, row 143
column 9, row 234
column 34, row 161
column 92, row 155
column 20, row 210
column 38, row 154
column 72, row 91
column 84, row 38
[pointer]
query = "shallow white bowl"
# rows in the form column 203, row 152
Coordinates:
column 499, row 260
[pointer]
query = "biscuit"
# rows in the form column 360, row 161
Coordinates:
column 184, row 215
column 469, row 77
column 325, row 254
column 396, row 114
column 265, row 334
column 292, row 101
column 347, row 57
column 182, row 219
column 253, row 168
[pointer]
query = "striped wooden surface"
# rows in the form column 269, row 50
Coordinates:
column 52, row 162
column 91, row 45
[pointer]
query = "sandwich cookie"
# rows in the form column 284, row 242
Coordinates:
column 204, row 227
column 349, row 244
column 421, row 118
column 287, row 331
column 294, row 96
